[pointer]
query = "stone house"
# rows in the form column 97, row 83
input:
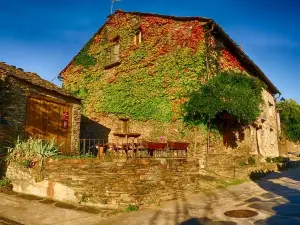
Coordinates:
column 33, row 107
column 142, row 65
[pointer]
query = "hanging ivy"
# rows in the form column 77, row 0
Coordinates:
column 235, row 93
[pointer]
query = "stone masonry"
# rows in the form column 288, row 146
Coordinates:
column 259, row 138
column 15, row 88
column 118, row 184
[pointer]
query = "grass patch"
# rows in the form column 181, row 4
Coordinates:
column 268, row 159
column 86, row 156
column 251, row 161
column 4, row 182
column 132, row 208
column 224, row 183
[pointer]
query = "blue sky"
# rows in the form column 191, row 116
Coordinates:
column 42, row 36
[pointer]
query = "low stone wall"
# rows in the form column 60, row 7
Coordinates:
column 25, row 181
column 116, row 185
column 110, row 184
column 287, row 146
column 229, row 165
column 14, row 95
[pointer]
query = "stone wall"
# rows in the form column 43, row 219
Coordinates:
column 116, row 185
column 104, row 126
column 266, row 128
column 260, row 138
column 119, row 184
column 13, row 108
column 287, row 147
column 75, row 133
column 110, row 185
column 229, row 165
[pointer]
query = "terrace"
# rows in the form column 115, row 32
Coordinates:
column 129, row 145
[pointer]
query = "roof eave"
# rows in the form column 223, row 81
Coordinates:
column 225, row 36
column 41, row 86
column 240, row 52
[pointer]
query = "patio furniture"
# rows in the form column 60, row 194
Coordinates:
column 172, row 145
column 153, row 146
column 127, row 145
column 178, row 147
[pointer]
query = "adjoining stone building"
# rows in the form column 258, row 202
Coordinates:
column 33, row 107
column 142, row 62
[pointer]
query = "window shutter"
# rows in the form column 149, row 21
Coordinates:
column 116, row 53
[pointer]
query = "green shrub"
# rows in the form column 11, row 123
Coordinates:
column 290, row 119
column 88, row 155
column 4, row 182
column 251, row 161
column 268, row 159
column 25, row 163
column 275, row 160
column 279, row 159
column 108, row 157
column 131, row 208
column 26, row 151
column 242, row 164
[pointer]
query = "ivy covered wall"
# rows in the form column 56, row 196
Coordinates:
column 153, row 79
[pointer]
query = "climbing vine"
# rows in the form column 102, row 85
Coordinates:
column 155, row 78
column 84, row 58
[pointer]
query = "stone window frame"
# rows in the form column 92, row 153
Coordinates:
column 113, row 53
column 137, row 40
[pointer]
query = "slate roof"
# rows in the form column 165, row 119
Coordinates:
column 31, row 78
column 218, row 31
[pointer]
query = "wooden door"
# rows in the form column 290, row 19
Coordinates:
column 49, row 120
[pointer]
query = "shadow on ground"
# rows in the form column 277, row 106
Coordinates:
column 6, row 221
column 283, row 197
column 182, row 213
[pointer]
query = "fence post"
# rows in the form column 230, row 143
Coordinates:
column 234, row 171
column 234, row 167
column 83, row 150
column 100, row 152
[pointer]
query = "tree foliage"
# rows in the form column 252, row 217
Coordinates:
column 290, row 119
column 235, row 93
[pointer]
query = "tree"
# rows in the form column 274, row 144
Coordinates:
column 290, row 119
column 235, row 93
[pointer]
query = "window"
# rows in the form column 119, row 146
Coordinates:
column 138, row 38
column 217, row 42
column 113, row 55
